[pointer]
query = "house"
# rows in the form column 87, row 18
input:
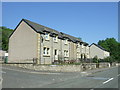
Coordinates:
column 2, row 55
column 100, row 52
column 31, row 41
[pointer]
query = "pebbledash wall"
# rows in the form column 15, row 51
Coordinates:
column 34, row 41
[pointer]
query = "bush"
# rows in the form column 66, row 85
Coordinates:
column 95, row 59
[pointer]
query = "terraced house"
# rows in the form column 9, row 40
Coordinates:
column 31, row 41
column 34, row 41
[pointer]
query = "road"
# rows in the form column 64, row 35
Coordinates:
column 21, row 78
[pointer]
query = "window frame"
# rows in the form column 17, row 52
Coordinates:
column 55, row 52
column 66, row 53
column 47, row 35
column 55, row 38
column 65, row 41
column 46, row 51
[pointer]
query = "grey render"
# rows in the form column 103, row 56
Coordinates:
column 29, row 41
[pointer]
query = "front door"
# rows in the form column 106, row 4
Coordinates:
column 56, row 54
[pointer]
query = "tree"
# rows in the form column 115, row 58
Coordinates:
column 96, row 60
column 111, row 45
column 5, row 33
column 108, row 59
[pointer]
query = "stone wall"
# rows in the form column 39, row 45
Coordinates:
column 62, row 68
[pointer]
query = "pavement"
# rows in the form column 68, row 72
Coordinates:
column 14, row 77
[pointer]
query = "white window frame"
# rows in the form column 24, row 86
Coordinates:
column 66, row 53
column 65, row 41
column 46, row 51
column 56, row 51
column 55, row 39
column 47, row 37
column 78, row 45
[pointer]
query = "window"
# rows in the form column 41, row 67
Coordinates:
column 78, row 45
column 65, row 41
column 46, row 36
column 55, row 39
column 66, row 53
column 55, row 51
column 46, row 51
column 82, row 45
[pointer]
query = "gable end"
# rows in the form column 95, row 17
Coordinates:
column 18, row 26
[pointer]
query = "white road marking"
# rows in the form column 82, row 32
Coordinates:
column 30, row 71
column 108, row 80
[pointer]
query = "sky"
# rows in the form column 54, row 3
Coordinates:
column 91, row 21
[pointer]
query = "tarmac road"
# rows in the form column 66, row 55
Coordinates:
column 21, row 78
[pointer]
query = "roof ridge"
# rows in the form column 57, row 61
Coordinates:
column 41, row 28
column 39, row 24
column 99, row 46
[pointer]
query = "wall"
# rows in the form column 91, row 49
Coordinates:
column 63, row 68
column 87, row 52
column 106, row 54
column 59, row 45
column 95, row 51
column 23, row 44
column 65, row 47
column 46, row 59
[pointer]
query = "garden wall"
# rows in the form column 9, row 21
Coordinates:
column 63, row 68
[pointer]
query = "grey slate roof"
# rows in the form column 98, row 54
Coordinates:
column 99, row 46
column 74, row 39
column 41, row 29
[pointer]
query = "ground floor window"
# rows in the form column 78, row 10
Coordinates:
column 66, row 54
column 46, row 51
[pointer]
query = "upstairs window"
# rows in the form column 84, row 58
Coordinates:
column 78, row 45
column 82, row 46
column 46, row 36
column 66, row 41
column 55, row 39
